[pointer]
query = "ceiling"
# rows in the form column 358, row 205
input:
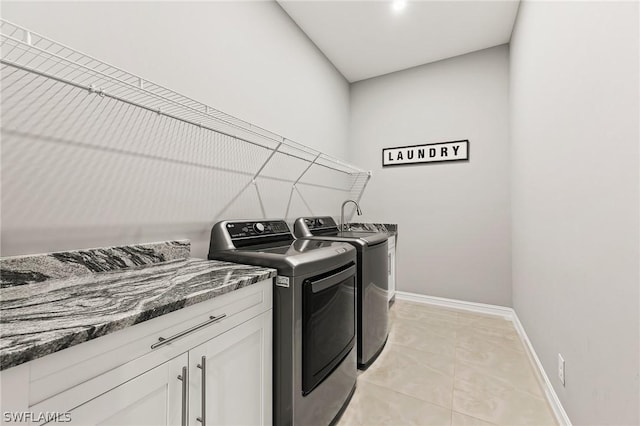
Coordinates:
column 365, row 39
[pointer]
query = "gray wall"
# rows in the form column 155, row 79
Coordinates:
column 104, row 180
column 453, row 218
column 575, row 186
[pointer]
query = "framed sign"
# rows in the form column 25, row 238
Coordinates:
column 427, row 153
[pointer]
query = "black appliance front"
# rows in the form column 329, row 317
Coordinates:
column 372, row 281
column 328, row 326
column 373, row 305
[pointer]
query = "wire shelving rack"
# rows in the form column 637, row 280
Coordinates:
column 36, row 55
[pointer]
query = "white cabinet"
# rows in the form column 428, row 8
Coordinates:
column 225, row 381
column 152, row 398
column 392, row 267
column 230, row 376
column 150, row 374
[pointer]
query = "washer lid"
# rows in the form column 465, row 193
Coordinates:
column 325, row 227
column 296, row 248
column 370, row 238
column 300, row 257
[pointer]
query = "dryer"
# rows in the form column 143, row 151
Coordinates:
column 372, row 280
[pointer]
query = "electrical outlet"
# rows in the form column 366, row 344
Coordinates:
column 561, row 369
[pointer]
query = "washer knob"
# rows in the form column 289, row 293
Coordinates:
column 320, row 222
column 259, row 227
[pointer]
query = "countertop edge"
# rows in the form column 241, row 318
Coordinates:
column 9, row 359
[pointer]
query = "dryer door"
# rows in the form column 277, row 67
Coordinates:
column 328, row 323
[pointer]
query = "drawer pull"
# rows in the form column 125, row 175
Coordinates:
column 203, row 366
column 184, row 377
column 162, row 341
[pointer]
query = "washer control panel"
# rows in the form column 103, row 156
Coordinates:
column 257, row 229
column 319, row 222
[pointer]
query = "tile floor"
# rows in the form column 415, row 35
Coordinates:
column 446, row 367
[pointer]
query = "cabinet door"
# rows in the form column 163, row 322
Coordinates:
column 153, row 398
column 231, row 376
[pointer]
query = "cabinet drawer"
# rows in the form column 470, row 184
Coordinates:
column 65, row 369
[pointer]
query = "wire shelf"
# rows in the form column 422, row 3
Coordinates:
column 27, row 55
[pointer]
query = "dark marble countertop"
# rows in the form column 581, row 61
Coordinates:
column 389, row 228
column 42, row 317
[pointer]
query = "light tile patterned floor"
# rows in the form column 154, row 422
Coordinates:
column 446, row 367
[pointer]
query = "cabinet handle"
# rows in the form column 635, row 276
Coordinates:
column 184, row 377
column 162, row 341
column 389, row 264
column 203, row 366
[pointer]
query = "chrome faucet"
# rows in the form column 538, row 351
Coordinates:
column 358, row 211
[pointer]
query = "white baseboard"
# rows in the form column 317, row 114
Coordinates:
column 507, row 313
column 552, row 396
column 480, row 308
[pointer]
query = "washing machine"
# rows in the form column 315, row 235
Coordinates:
column 372, row 280
column 314, row 325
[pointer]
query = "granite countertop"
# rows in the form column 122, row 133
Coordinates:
column 54, row 301
column 389, row 228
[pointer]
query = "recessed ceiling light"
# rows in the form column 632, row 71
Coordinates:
column 398, row 5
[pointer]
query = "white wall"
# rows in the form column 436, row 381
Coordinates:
column 575, row 186
column 454, row 218
column 245, row 58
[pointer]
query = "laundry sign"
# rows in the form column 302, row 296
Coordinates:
column 427, row 153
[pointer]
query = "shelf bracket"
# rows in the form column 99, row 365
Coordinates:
column 253, row 179
column 307, row 169
column 359, row 197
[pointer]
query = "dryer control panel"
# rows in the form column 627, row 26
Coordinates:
column 310, row 226
column 314, row 223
